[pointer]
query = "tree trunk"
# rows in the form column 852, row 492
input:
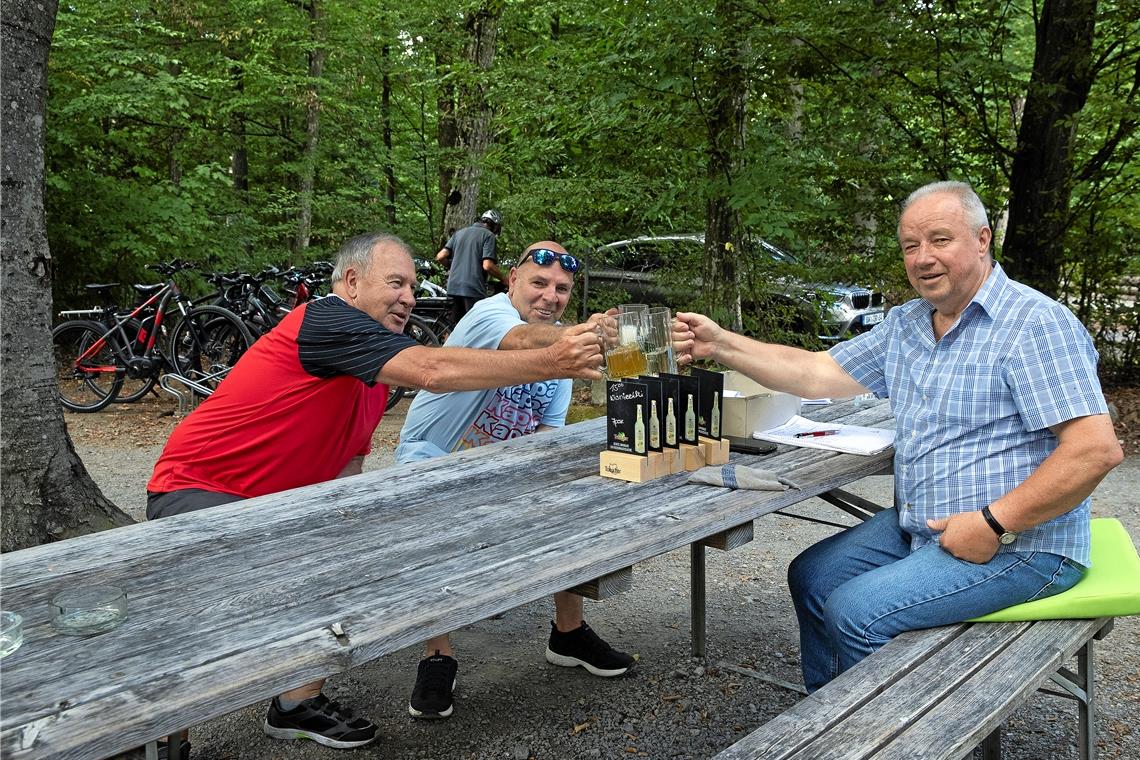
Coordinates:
column 1041, row 179
column 47, row 493
column 239, row 158
column 173, row 164
column 312, row 126
column 389, row 159
column 473, row 120
column 447, row 132
column 726, row 123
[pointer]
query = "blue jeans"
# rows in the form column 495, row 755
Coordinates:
column 860, row 588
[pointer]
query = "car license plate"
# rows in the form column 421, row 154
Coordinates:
column 873, row 319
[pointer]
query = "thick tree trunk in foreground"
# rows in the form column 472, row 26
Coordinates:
column 1041, row 180
column 47, row 493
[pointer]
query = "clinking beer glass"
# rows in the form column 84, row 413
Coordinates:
column 624, row 340
column 659, row 340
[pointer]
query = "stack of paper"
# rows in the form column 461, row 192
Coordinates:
column 851, row 439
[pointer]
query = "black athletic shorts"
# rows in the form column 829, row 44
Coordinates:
column 184, row 500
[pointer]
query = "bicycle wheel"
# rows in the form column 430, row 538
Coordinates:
column 87, row 373
column 136, row 387
column 417, row 330
column 206, row 344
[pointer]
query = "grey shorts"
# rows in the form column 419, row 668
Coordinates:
column 184, row 500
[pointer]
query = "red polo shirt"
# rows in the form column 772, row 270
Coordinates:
column 295, row 409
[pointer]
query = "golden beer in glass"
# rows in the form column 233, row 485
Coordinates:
column 626, row 361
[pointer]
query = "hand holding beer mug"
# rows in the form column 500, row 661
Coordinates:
column 605, row 327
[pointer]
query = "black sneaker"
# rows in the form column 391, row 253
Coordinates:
column 435, row 680
column 320, row 720
column 584, row 647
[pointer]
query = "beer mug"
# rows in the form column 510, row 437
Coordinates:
column 629, row 308
column 659, row 341
column 624, row 339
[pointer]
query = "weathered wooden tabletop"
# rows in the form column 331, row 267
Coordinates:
column 231, row 605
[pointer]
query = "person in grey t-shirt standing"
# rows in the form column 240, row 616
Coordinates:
column 472, row 254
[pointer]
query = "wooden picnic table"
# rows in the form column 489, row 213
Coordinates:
column 231, row 605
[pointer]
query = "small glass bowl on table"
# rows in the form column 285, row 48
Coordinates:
column 11, row 632
column 88, row 610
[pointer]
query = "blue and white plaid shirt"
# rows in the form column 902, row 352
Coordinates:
column 973, row 410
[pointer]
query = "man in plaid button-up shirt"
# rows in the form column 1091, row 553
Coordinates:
column 1002, row 433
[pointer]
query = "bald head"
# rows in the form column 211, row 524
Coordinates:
column 540, row 291
column 548, row 244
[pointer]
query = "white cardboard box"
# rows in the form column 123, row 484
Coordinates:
column 758, row 408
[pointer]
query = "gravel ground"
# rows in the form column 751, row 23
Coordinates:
column 511, row 704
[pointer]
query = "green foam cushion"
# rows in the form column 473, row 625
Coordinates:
column 1110, row 588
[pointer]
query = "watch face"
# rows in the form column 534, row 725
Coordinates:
column 1008, row 538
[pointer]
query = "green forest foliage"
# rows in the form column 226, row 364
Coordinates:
column 600, row 115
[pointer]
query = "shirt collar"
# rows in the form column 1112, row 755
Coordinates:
column 988, row 298
column 993, row 291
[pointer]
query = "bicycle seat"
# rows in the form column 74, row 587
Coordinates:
column 146, row 290
column 101, row 287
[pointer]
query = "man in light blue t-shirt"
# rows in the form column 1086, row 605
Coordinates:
column 526, row 316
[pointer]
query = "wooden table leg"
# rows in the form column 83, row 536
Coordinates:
column 991, row 745
column 697, row 597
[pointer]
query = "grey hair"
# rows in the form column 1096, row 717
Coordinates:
column 971, row 203
column 357, row 253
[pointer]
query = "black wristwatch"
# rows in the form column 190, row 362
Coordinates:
column 1004, row 536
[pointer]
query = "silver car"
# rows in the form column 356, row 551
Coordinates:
column 633, row 265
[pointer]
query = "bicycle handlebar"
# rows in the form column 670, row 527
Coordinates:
column 171, row 267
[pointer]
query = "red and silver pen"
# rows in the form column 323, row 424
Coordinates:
column 816, row 433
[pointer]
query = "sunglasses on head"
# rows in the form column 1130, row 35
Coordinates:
column 544, row 257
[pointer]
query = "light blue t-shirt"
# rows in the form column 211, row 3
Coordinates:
column 439, row 423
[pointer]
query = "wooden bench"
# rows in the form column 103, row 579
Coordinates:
column 942, row 691
column 936, row 693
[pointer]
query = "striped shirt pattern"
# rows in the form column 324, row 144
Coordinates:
column 338, row 339
column 973, row 410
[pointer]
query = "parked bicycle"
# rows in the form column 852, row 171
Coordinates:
column 433, row 306
column 429, row 324
column 100, row 350
column 259, row 305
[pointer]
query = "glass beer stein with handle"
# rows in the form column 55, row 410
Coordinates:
column 625, row 349
column 659, row 341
